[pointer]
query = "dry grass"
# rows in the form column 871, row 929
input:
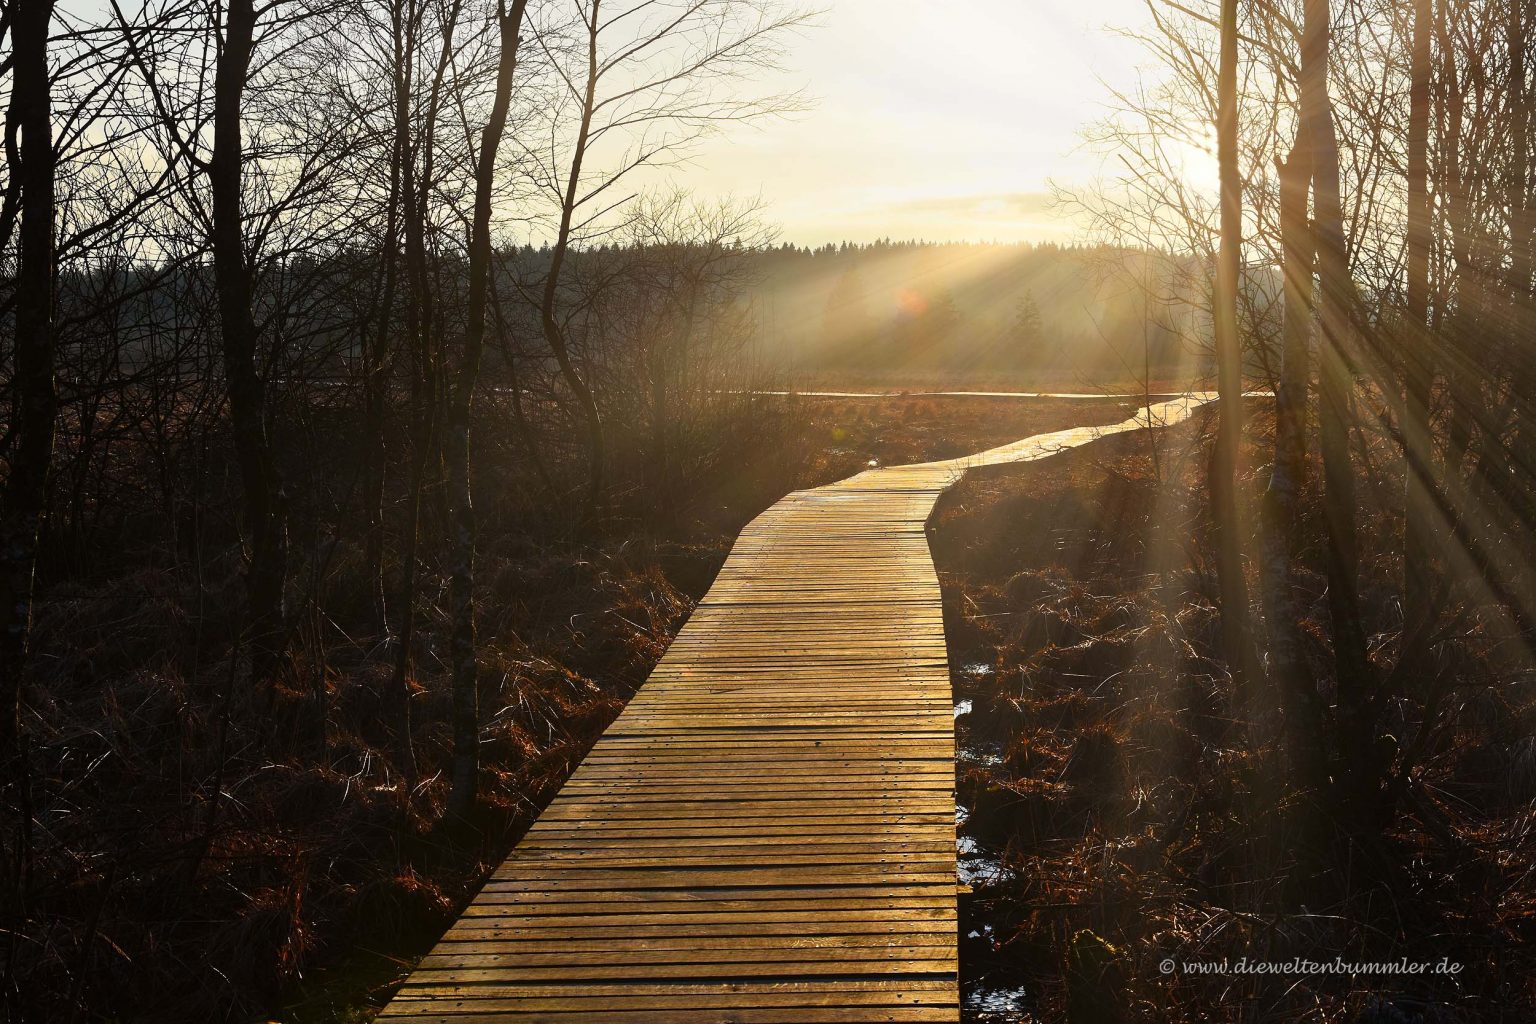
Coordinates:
column 206, row 848
column 976, row 379
column 850, row 435
column 207, row 852
column 1118, row 788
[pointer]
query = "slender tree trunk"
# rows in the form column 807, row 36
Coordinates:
column 658, row 412
column 1522, row 259
column 1417, row 354
column 1282, row 499
column 461, row 528
column 267, row 573
column 376, row 375
column 1236, row 643
column 554, row 336
column 375, row 454
column 1356, row 690
column 1456, row 326
column 36, row 404
column 420, row 335
column 421, row 435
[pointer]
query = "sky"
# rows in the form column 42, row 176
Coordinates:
column 943, row 121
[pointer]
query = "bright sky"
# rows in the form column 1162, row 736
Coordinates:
column 943, row 121
column 937, row 120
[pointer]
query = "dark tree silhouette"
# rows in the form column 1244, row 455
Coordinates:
column 265, row 515
column 35, row 409
column 1226, row 509
column 461, row 524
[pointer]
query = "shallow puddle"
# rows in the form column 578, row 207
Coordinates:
column 974, row 864
column 995, row 1005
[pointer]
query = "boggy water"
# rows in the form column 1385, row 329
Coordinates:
column 991, row 990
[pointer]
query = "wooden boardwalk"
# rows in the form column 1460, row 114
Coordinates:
column 767, row 833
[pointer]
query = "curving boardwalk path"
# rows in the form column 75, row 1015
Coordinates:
column 767, row 832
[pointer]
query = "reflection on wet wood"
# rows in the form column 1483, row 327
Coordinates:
column 766, row 834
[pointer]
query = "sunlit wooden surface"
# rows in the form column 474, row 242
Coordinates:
column 767, row 833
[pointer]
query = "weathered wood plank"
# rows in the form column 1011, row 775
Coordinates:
column 767, row 831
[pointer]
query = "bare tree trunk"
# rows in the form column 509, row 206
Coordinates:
column 554, row 336
column 1417, row 354
column 36, row 404
column 375, row 457
column 419, row 333
column 1456, row 325
column 1355, row 687
column 267, row 573
column 658, row 413
column 376, row 376
column 1521, row 225
column 461, row 512
column 1236, row 643
column 1282, row 499
column 421, row 436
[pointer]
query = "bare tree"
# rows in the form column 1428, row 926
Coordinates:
column 466, row 684
column 671, row 308
column 420, row 321
column 1417, row 349
column 1227, row 510
column 1336, row 405
column 265, row 516
column 1282, row 498
column 35, row 402
column 644, row 80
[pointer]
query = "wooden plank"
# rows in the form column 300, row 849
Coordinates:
column 766, row 833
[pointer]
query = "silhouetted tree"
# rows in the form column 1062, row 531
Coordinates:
column 265, row 515
column 34, row 408
column 636, row 76
column 847, row 327
column 1336, row 319
column 1226, row 509
column 461, row 528
column 1028, row 328
column 1417, row 351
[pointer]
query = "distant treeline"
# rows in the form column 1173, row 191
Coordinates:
column 1025, row 311
column 1020, row 311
